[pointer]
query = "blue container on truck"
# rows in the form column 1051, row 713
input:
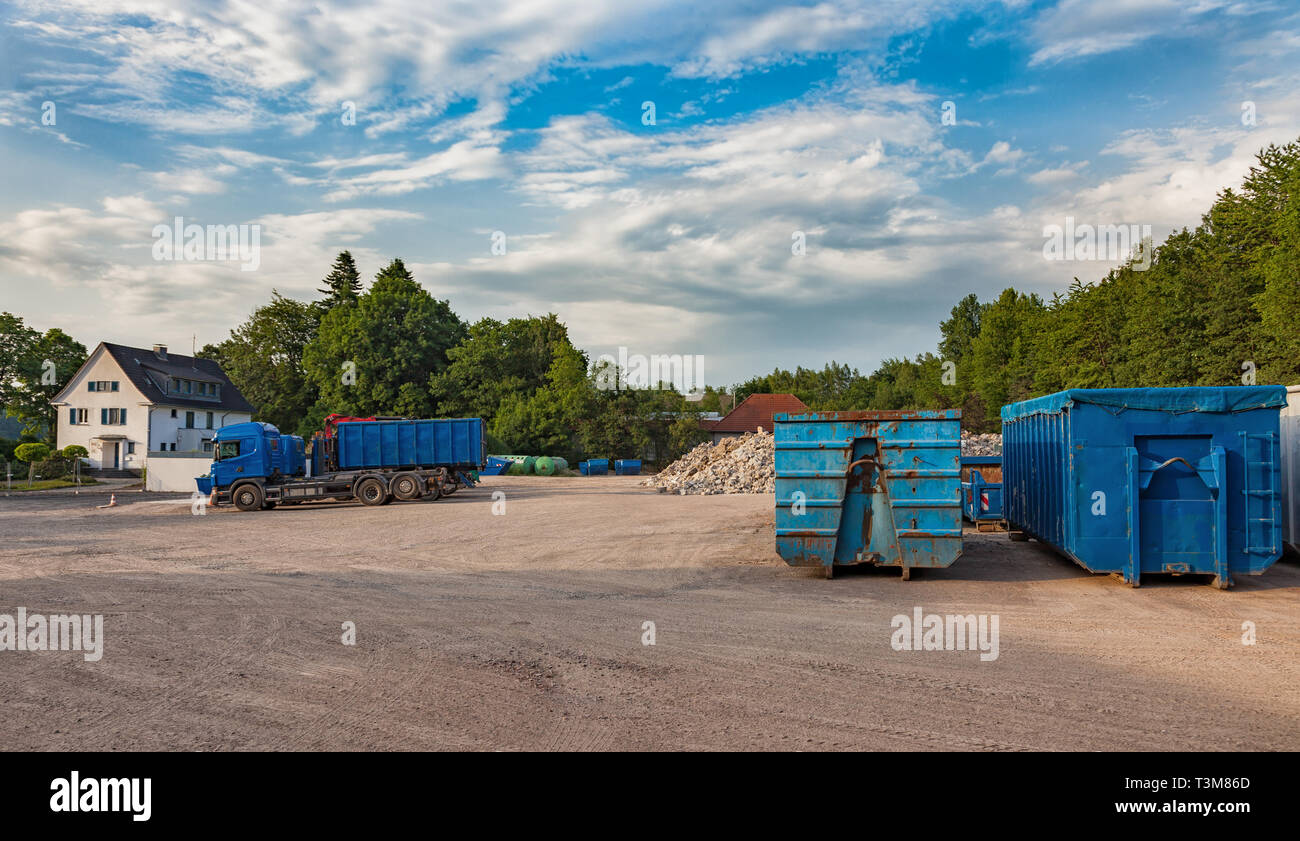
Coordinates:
column 454, row 443
column 868, row 487
column 981, row 499
column 256, row 467
column 1149, row 480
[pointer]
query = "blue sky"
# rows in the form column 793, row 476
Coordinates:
column 824, row 118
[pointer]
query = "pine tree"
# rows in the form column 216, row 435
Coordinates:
column 343, row 283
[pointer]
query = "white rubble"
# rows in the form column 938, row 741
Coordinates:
column 980, row 444
column 741, row 465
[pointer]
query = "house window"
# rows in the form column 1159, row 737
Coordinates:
column 209, row 420
column 207, row 446
column 189, row 420
column 173, row 413
column 130, row 448
column 101, row 385
column 112, row 417
column 79, row 416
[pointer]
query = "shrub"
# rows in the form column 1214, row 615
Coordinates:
column 31, row 453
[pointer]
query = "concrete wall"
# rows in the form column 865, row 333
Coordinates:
column 175, row 471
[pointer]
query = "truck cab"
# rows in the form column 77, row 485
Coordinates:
column 254, row 450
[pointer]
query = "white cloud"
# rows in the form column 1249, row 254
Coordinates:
column 1077, row 28
column 1056, row 175
column 100, row 263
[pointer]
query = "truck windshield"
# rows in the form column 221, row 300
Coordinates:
column 227, row 449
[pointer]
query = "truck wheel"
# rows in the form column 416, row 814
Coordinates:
column 372, row 492
column 405, row 486
column 249, row 497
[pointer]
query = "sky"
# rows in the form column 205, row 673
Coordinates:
column 758, row 184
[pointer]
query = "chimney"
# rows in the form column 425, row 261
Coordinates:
column 160, row 351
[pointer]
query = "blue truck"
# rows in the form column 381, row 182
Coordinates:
column 256, row 467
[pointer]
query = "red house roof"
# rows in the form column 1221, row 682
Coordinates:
column 756, row 410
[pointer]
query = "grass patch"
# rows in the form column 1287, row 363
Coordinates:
column 50, row 484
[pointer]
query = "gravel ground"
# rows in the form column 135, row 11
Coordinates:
column 524, row 631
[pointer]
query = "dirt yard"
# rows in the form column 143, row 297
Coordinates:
column 524, row 631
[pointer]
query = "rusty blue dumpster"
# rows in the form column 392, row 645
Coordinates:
column 981, row 499
column 868, row 487
column 1149, row 480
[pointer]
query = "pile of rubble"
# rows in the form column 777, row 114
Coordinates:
column 745, row 465
column 742, row 465
column 980, row 444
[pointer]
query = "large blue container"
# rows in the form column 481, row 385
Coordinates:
column 627, row 466
column 1149, row 480
column 442, row 442
column 597, row 466
column 868, row 487
column 981, row 500
column 496, row 466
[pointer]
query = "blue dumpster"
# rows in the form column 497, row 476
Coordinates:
column 496, row 466
column 597, row 466
column 627, row 466
column 582, row 468
column 1149, row 480
column 868, row 487
column 981, row 499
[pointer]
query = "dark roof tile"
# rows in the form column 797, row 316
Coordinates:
column 136, row 361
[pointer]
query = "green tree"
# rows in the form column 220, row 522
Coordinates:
column 1000, row 367
column 264, row 359
column 32, row 454
column 16, row 341
column 960, row 329
column 499, row 361
column 553, row 419
column 375, row 355
column 343, row 283
column 50, row 362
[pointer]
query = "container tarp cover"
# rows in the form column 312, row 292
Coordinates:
column 1174, row 400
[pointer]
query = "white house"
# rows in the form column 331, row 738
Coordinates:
column 127, row 405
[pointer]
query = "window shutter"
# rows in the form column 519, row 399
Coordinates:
column 122, row 415
column 103, row 416
column 72, row 416
column 115, row 385
column 90, row 386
